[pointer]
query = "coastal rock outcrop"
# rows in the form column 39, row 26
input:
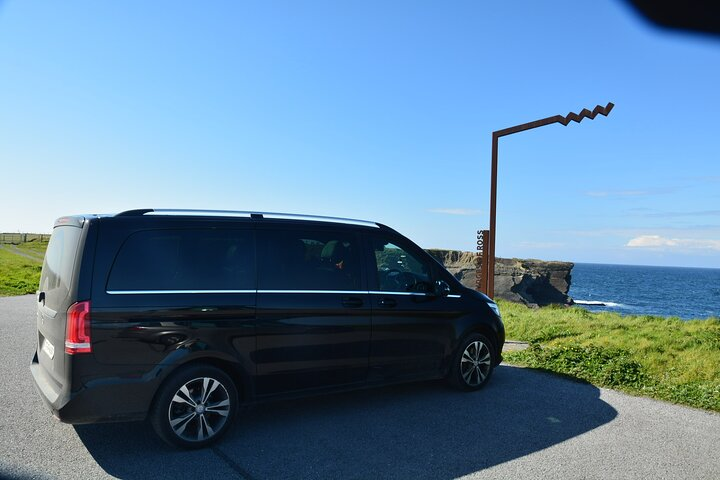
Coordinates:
column 532, row 282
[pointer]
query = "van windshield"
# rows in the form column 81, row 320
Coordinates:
column 56, row 276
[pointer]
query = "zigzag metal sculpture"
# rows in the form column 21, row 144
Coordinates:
column 585, row 114
column 489, row 243
column 570, row 117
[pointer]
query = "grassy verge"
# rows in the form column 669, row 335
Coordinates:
column 21, row 274
column 665, row 358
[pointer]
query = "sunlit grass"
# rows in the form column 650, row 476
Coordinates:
column 18, row 274
column 665, row 358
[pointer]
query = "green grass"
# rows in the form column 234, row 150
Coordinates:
column 18, row 274
column 665, row 358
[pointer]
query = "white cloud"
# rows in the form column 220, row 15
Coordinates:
column 700, row 213
column 541, row 244
column 658, row 242
column 633, row 193
column 618, row 193
column 456, row 211
column 650, row 241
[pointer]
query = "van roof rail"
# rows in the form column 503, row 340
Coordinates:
column 131, row 213
column 242, row 213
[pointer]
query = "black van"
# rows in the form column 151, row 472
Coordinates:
column 181, row 316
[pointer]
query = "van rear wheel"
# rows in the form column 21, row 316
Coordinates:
column 194, row 407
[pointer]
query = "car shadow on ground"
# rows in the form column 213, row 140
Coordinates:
column 422, row 430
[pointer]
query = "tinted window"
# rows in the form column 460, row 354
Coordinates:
column 56, row 277
column 185, row 260
column 398, row 270
column 308, row 260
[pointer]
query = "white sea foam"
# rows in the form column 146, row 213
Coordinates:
column 598, row 303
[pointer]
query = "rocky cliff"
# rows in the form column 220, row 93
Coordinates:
column 532, row 282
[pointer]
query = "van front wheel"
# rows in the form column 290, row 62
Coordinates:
column 472, row 366
column 194, row 407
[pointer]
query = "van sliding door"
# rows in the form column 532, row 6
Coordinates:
column 313, row 310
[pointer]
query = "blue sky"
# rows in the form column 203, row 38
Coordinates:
column 376, row 110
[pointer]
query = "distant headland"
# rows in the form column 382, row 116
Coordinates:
column 532, row 282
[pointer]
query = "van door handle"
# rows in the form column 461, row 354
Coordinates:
column 41, row 297
column 388, row 302
column 352, row 302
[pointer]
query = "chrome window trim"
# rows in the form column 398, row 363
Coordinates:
column 342, row 292
column 159, row 292
column 390, row 292
column 163, row 292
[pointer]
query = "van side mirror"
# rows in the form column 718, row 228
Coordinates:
column 442, row 289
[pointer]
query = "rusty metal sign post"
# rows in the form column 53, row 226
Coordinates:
column 487, row 275
column 481, row 261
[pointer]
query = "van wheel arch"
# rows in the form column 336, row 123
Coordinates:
column 481, row 329
column 239, row 378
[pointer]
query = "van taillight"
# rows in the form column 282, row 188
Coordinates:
column 77, row 333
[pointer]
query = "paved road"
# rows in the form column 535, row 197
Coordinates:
column 525, row 424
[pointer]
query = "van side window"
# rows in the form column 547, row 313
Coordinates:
column 398, row 270
column 308, row 260
column 217, row 259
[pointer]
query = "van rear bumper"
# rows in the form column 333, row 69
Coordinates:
column 49, row 391
column 104, row 400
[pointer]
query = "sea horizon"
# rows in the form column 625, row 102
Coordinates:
column 684, row 292
column 637, row 265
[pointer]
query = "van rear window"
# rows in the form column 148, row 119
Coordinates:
column 185, row 260
column 56, row 277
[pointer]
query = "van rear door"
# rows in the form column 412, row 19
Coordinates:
column 58, row 290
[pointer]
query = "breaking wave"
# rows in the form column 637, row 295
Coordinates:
column 598, row 303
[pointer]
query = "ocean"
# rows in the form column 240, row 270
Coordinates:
column 638, row 290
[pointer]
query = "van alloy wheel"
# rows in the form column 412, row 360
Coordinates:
column 195, row 406
column 475, row 363
column 198, row 409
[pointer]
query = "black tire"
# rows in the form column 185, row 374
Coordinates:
column 194, row 407
column 473, row 363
